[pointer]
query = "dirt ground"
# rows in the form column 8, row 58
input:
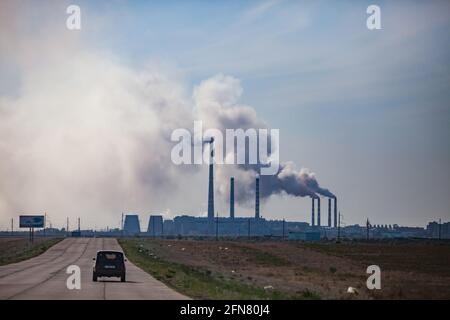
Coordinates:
column 409, row 269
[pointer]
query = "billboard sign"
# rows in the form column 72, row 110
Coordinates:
column 31, row 221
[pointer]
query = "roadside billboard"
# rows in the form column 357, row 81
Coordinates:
column 31, row 221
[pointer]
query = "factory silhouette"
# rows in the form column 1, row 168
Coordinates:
column 212, row 225
column 257, row 226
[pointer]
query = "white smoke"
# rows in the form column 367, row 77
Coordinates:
column 91, row 134
column 82, row 134
column 217, row 104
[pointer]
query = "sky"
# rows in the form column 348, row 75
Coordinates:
column 86, row 115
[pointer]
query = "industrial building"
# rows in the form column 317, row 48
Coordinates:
column 185, row 225
column 155, row 225
column 232, row 226
column 304, row 236
column 131, row 225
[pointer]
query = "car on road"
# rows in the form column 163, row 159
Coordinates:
column 109, row 264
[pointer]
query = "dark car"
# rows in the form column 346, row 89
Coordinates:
column 109, row 264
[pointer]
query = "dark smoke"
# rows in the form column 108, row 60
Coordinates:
column 216, row 101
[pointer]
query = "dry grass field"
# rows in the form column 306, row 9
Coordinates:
column 295, row 270
column 15, row 249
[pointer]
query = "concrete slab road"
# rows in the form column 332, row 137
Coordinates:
column 44, row 277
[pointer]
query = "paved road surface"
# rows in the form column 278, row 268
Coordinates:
column 44, row 277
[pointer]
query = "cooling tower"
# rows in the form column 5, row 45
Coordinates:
column 155, row 225
column 131, row 225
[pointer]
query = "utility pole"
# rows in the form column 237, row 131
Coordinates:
column 67, row 225
column 121, row 225
column 79, row 225
column 439, row 229
column 45, row 222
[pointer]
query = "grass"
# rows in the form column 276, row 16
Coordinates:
column 24, row 251
column 263, row 258
column 401, row 255
column 201, row 283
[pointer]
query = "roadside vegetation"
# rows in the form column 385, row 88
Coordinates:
column 14, row 250
column 274, row 269
column 200, row 282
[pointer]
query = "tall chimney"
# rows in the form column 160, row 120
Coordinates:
column 329, row 212
column 257, row 199
column 312, row 212
column 318, row 211
column 335, row 213
column 232, row 198
column 211, row 185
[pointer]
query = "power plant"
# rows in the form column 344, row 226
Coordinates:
column 232, row 225
column 227, row 226
column 256, row 226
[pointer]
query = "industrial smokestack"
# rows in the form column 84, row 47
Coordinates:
column 335, row 213
column 232, row 198
column 211, row 184
column 257, row 199
column 329, row 212
column 318, row 212
column 312, row 212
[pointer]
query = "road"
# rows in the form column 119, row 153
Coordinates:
column 44, row 277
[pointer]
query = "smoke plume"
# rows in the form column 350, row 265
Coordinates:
column 216, row 101
column 84, row 134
